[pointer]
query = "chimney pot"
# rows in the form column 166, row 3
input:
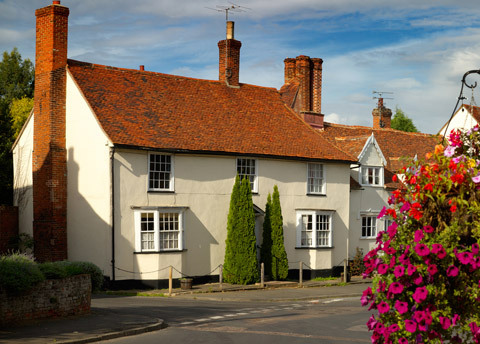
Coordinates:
column 230, row 30
column 56, row 2
column 142, row 67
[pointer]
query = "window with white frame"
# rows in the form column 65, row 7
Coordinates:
column 369, row 226
column 315, row 179
column 371, row 175
column 247, row 168
column 160, row 172
column 158, row 230
column 314, row 229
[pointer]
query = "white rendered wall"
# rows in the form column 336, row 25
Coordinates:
column 461, row 120
column 22, row 180
column 203, row 184
column 88, row 193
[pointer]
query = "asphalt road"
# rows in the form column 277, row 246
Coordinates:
column 338, row 320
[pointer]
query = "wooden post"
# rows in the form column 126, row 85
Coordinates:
column 262, row 275
column 300, row 275
column 170, row 274
column 220, row 277
column 345, row 271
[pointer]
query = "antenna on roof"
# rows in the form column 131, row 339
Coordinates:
column 380, row 97
column 232, row 7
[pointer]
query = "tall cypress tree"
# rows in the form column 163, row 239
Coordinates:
column 279, row 255
column 241, row 264
column 266, row 251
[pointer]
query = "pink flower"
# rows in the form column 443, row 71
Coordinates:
column 382, row 269
column 410, row 326
column 401, row 307
column 366, row 296
column 393, row 328
column 382, row 213
column 405, row 207
column 452, row 271
column 420, row 294
column 475, row 249
column 422, row 250
column 432, row 269
column 428, row 229
column 402, row 340
column 464, row 257
column 418, row 236
column 380, row 328
column 399, row 271
column 392, row 229
column 371, row 322
column 411, row 269
column 476, row 179
column 439, row 251
column 455, row 318
column 449, row 151
column 419, row 316
column 445, row 322
column 418, row 280
column 383, row 307
column 395, row 288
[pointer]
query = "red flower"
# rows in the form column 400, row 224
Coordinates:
column 457, row 178
column 415, row 211
column 428, row 187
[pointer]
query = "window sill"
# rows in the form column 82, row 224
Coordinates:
column 316, row 194
column 368, row 238
column 372, row 186
column 161, row 252
column 162, row 191
column 315, row 248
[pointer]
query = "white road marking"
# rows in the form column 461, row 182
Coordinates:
column 334, row 300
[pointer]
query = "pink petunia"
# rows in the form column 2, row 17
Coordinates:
column 396, row 288
column 418, row 236
column 392, row 229
column 449, row 151
column 411, row 269
column 445, row 322
column 422, row 250
column 420, row 294
column 452, row 271
column 475, row 249
column 382, row 213
column 410, row 326
column 405, row 207
column 382, row 269
column 455, row 318
column 366, row 296
column 432, row 269
column 399, row 271
column 401, row 306
column 476, row 179
column 439, row 251
column 383, row 307
column 371, row 322
column 418, row 280
column 393, row 328
column 464, row 257
column 402, row 340
column 428, row 229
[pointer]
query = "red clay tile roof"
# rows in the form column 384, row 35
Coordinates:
column 397, row 146
column 160, row 111
column 289, row 93
column 474, row 110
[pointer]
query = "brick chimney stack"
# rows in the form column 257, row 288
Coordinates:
column 307, row 73
column 49, row 163
column 382, row 116
column 229, row 58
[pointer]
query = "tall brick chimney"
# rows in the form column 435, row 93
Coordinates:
column 229, row 58
column 49, row 151
column 382, row 116
column 306, row 72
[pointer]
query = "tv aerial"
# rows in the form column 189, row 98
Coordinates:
column 232, row 7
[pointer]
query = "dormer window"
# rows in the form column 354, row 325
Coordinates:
column 371, row 175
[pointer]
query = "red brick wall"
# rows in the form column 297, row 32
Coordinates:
column 49, row 151
column 382, row 118
column 229, row 59
column 317, row 85
column 304, row 78
column 8, row 226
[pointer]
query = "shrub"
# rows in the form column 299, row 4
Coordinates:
column 356, row 265
column 279, row 255
column 426, row 287
column 19, row 273
column 78, row 268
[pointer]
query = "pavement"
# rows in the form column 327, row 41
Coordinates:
column 113, row 317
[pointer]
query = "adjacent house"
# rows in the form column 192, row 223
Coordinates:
column 467, row 116
column 133, row 170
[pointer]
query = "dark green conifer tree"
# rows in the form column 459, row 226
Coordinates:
column 266, row 251
column 279, row 255
column 241, row 264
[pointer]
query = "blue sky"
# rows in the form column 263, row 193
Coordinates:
column 419, row 50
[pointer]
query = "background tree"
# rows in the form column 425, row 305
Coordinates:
column 266, row 251
column 19, row 111
column 241, row 264
column 402, row 122
column 16, row 82
column 279, row 255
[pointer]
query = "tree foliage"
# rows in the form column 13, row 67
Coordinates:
column 266, row 250
column 241, row 264
column 426, row 266
column 16, row 82
column 279, row 255
column 401, row 121
column 19, row 111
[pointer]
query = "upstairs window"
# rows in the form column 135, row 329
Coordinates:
column 371, row 175
column 315, row 179
column 160, row 172
column 369, row 227
column 314, row 229
column 247, row 168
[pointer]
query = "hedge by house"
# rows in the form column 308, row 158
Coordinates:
column 266, row 250
column 279, row 255
column 241, row 264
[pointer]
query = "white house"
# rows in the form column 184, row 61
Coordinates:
column 467, row 116
column 133, row 170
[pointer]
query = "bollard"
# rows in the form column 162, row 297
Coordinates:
column 220, row 277
column 300, row 275
column 170, row 273
column 262, row 275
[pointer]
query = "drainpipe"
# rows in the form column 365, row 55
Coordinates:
column 112, row 207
